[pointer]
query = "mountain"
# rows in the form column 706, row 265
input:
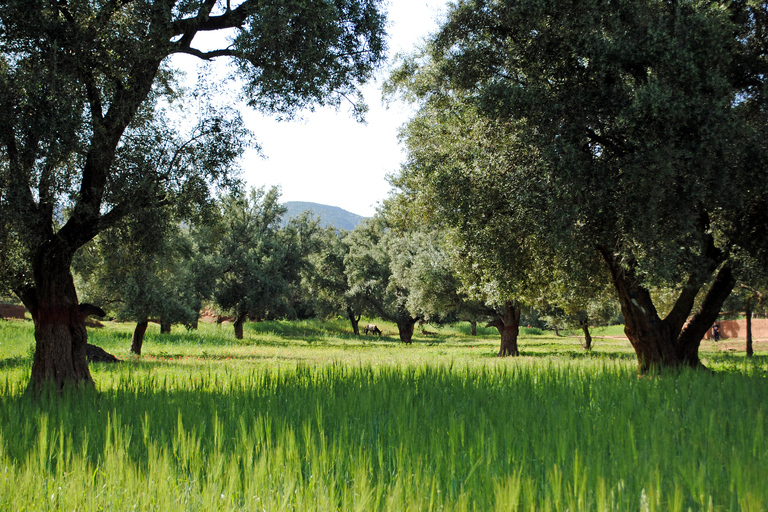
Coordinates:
column 328, row 215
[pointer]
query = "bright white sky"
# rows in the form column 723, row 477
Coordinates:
column 329, row 158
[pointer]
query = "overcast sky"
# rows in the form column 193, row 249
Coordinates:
column 328, row 157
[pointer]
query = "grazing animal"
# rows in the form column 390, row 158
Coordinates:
column 372, row 328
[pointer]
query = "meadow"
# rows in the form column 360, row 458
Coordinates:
column 303, row 416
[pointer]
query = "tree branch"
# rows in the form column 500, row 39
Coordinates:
column 207, row 55
column 697, row 327
column 202, row 22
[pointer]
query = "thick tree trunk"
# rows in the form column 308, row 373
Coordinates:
column 587, row 336
column 137, row 340
column 669, row 342
column 165, row 327
column 473, row 327
column 354, row 320
column 60, row 334
column 405, row 329
column 239, row 321
column 750, row 351
column 510, row 319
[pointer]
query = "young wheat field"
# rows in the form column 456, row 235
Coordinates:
column 301, row 416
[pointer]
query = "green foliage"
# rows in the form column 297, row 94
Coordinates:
column 258, row 262
column 556, row 137
column 138, row 271
column 85, row 140
column 375, row 251
column 326, row 280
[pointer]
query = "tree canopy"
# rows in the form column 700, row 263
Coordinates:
column 80, row 86
column 632, row 130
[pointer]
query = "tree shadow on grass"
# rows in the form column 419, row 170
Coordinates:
column 570, row 354
column 12, row 363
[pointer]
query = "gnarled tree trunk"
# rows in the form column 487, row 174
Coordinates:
column 60, row 334
column 137, row 340
column 584, row 323
column 673, row 341
column 354, row 320
column 508, row 325
column 405, row 329
column 239, row 321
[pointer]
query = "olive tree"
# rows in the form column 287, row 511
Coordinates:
column 625, row 124
column 79, row 78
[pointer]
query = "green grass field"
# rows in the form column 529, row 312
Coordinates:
column 303, row 416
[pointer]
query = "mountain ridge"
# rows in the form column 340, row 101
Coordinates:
column 328, row 215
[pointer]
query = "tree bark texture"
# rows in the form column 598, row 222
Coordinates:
column 60, row 333
column 750, row 351
column 405, row 329
column 354, row 320
column 510, row 318
column 670, row 342
column 587, row 336
column 239, row 321
column 137, row 340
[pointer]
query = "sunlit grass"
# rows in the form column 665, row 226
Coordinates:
column 305, row 417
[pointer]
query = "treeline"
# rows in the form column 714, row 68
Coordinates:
column 559, row 154
column 242, row 260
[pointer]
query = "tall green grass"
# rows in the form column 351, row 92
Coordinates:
column 464, row 431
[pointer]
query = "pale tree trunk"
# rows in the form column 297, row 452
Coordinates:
column 60, row 334
column 137, row 340
column 239, row 321
column 669, row 342
column 354, row 320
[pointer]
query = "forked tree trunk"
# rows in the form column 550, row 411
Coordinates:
column 587, row 336
column 405, row 329
column 669, row 342
column 239, row 321
column 354, row 320
column 60, row 334
column 750, row 351
column 137, row 340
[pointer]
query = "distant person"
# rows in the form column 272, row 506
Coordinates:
column 716, row 332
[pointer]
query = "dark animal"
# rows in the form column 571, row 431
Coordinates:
column 372, row 328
